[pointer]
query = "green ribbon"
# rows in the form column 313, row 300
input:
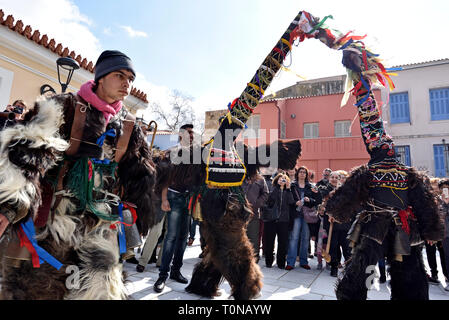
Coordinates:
column 320, row 24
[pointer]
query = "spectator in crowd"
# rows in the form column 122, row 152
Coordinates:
column 18, row 109
column 343, row 176
column 256, row 191
column 443, row 202
column 338, row 242
column 434, row 182
column 175, row 203
column 280, row 199
column 325, row 181
column 311, row 177
column 303, row 196
column 432, row 248
column 324, row 227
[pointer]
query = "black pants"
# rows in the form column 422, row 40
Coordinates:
column 271, row 229
column 338, row 241
column 432, row 259
column 408, row 277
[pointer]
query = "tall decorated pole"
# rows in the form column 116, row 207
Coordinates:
column 224, row 167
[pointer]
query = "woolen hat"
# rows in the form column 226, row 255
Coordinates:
column 112, row 60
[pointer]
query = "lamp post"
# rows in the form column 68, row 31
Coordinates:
column 68, row 64
column 446, row 156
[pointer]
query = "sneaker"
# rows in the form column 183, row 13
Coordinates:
column 311, row 256
column 190, row 242
column 305, row 266
column 433, row 280
column 288, row 267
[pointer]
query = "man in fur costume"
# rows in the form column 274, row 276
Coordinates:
column 224, row 214
column 69, row 176
column 395, row 212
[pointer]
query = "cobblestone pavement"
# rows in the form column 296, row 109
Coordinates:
column 296, row 284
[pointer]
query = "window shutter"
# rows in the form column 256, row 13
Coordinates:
column 439, row 104
column 399, row 108
column 439, row 156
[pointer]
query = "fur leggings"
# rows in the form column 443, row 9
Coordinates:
column 228, row 252
column 91, row 267
column 408, row 278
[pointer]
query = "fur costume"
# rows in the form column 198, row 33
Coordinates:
column 74, row 202
column 395, row 211
column 224, row 213
column 224, row 209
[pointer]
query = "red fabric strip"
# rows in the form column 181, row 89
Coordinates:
column 24, row 241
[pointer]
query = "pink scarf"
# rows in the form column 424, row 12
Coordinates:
column 109, row 110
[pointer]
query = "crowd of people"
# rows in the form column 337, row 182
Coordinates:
column 289, row 226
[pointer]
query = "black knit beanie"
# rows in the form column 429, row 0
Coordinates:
column 112, row 60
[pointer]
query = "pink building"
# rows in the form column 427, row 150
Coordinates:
column 330, row 135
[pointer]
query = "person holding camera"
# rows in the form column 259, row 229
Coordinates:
column 12, row 114
column 276, row 219
column 305, row 195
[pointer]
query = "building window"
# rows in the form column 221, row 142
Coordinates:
column 6, row 78
column 283, row 129
column 311, row 130
column 399, row 108
column 439, row 104
column 253, row 124
column 441, row 155
column 342, row 128
column 403, row 154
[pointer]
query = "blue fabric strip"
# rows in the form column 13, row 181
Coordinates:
column 110, row 133
column 28, row 228
column 346, row 44
column 121, row 234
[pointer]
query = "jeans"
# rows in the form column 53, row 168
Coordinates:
column 300, row 231
column 176, row 237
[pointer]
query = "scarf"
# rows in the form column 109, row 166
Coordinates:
column 109, row 110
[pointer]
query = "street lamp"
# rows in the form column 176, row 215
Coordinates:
column 68, row 64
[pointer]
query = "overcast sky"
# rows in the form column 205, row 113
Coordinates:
column 210, row 49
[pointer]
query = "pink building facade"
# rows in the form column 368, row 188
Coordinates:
column 330, row 135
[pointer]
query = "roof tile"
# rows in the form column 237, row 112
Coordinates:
column 51, row 45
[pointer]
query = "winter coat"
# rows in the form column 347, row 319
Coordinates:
column 256, row 194
column 284, row 206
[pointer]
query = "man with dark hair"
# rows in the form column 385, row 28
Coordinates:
column 175, row 204
column 18, row 109
column 186, row 134
column 81, row 171
column 325, row 181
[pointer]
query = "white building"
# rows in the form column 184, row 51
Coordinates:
column 417, row 116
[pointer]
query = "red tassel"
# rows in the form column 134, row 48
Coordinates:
column 404, row 214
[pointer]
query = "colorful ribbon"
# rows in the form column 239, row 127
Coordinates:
column 27, row 237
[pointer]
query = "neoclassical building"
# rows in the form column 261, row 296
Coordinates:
column 28, row 63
